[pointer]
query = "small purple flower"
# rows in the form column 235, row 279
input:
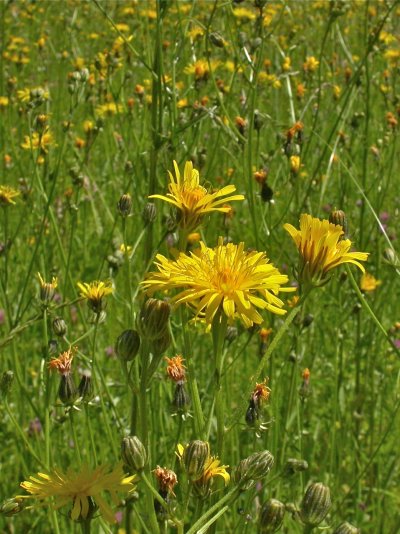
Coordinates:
column 35, row 427
column 384, row 217
column 119, row 516
column 110, row 352
column 2, row 317
column 396, row 343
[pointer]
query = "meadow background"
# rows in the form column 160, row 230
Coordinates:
column 96, row 101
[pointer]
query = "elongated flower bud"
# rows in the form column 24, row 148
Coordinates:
column 124, row 205
column 153, row 318
column 194, row 458
column 127, row 345
column 59, row 327
column 133, row 453
column 338, row 217
column 316, row 504
column 11, row 506
column 6, row 381
column 346, row 528
column 253, row 468
column 85, row 388
column 67, row 392
column 271, row 516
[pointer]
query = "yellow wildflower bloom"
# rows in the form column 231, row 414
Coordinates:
column 193, row 200
column 213, row 468
column 38, row 141
column 225, row 278
column 108, row 109
column 4, row 101
column 244, row 14
column 322, row 248
column 311, row 64
column 7, row 194
column 81, row 489
column 201, row 68
column 94, row 293
column 368, row 282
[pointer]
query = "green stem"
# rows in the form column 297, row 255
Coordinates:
column 86, row 526
column 214, row 511
column 219, row 327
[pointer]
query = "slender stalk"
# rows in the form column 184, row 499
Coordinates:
column 219, row 327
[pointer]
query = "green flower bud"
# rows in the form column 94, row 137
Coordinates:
column 127, row 345
column 124, row 205
column 85, row 388
column 194, row 458
column 12, row 506
column 217, row 40
column 253, row 468
column 153, row 318
column 149, row 213
column 271, row 516
column 295, row 466
column 67, row 392
column 346, row 528
column 315, row 505
column 181, row 397
column 339, row 217
column 59, row 326
column 133, row 453
column 161, row 344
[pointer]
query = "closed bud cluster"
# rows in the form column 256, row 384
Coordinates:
column 255, row 467
column 346, row 528
column 194, row 457
column 124, row 205
column 271, row 516
column 127, row 345
column 339, row 218
column 133, row 453
column 153, row 318
column 315, row 505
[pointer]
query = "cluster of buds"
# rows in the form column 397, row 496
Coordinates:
column 77, row 79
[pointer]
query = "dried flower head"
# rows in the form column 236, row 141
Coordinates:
column 63, row 363
column 166, row 479
column 175, row 368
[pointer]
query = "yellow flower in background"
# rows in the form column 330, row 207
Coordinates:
column 94, row 293
column 368, row 282
column 80, row 489
column 192, row 200
column 38, row 140
column 212, row 469
column 311, row 64
column 322, row 248
column 225, row 278
column 7, row 195
column 201, row 68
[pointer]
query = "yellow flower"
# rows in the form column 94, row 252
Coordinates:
column 81, row 489
column 201, row 68
column 108, row 109
column 7, row 194
column 47, row 289
column 37, row 140
column 295, row 164
column 242, row 13
column 4, row 101
column 193, row 200
column 94, row 293
column 212, row 468
column 368, row 282
column 310, row 64
column 225, row 278
column 322, row 248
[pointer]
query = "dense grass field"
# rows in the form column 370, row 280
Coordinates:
column 196, row 361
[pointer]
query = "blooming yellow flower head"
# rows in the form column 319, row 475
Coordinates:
column 7, row 195
column 222, row 279
column 322, row 248
column 369, row 283
column 83, row 489
column 47, row 289
column 192, row 200
column 38, row 140
column 94, row 293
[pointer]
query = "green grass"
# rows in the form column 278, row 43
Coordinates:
column 65, row 223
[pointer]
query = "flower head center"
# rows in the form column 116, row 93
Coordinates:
column 192, row 197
